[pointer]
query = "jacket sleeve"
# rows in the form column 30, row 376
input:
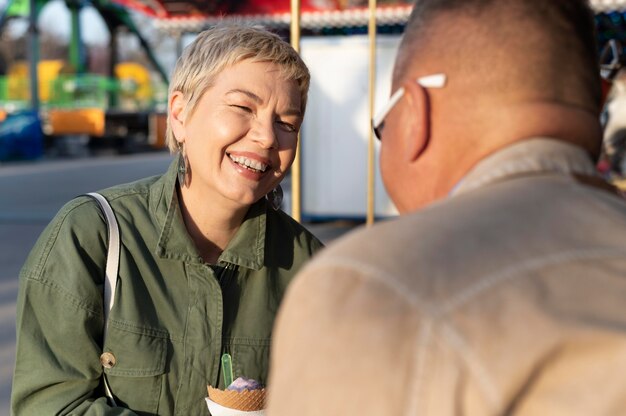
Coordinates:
column 60, row 320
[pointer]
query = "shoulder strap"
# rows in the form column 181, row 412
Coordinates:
column 113, row 256
column 112, row 266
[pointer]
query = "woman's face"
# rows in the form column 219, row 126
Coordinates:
column 242, row 136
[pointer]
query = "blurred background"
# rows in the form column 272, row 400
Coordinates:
column 83, row 92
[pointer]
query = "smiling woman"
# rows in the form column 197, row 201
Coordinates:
column 239, row 141
column 205, row 257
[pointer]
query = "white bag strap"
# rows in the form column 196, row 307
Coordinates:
column 112, row 266
column 113, row 257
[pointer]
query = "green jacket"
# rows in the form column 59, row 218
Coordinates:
column 174, row 315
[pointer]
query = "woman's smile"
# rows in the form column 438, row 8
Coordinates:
column 249, row 165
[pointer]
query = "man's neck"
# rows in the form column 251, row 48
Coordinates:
column 461, row 144
column 571, row 124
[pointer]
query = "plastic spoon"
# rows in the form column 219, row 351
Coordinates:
column 227, row 368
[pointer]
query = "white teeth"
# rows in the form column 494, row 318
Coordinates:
column 249, row 163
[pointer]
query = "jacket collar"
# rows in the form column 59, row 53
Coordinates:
column 247, row 248
column 532, row 156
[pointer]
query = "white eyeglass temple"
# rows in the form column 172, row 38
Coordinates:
column 392, row 101
column 429, row 81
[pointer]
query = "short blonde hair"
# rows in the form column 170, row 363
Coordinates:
column 222, row 46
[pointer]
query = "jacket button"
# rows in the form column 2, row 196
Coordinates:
column 107, row 360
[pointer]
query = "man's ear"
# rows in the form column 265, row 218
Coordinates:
column 176, row 114
column 417, row 120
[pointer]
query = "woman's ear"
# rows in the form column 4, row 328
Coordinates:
column 176, row 114
column 417, row 121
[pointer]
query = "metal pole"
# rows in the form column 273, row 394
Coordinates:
column 371, row 30
column 295, row 168
column 76, row 48
column 33, row 55
column 178, row 36
column 113, row 58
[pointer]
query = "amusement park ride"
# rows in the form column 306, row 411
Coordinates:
column 64, row 99
column 42, row 101
column 129, row 101
column 61, row 98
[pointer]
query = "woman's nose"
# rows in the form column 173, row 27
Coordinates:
column 264, row 134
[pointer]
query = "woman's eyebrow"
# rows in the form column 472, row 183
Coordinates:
column 250, row 94
column 293, row 111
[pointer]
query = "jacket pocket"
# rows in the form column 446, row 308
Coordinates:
column 136, row 372
column 250, row 358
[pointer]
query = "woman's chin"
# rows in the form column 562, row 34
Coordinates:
column 245, row 198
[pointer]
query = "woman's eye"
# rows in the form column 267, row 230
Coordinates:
column 242, row 108
column 288, row 127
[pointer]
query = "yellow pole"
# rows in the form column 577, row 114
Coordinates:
column 371, row 30
column 295, row 168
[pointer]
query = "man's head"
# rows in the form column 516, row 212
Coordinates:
column 514, row 68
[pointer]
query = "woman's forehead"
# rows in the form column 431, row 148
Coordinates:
column 258, row 80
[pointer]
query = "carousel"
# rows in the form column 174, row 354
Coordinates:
column 349, row 46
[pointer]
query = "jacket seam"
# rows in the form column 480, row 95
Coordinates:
column 257, row 342
column 113, row 194
column 79, row 303
column 390, row 280
column 377, row 274
column 418, row 399
column 141, row 330
column 488, row 386
column 36, row 273
column 52, row 240
column 491, row 280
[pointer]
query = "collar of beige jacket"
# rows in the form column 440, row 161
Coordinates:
column 532, row 156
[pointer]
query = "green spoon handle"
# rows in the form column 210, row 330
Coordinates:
column 227, row 368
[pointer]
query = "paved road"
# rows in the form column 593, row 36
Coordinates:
column 30, row 195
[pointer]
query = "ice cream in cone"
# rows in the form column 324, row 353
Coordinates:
column 242, row 397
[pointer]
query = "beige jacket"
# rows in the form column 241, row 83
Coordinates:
column 509, row 297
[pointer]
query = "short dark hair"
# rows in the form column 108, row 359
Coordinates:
column 573, row 16
column 566, row 29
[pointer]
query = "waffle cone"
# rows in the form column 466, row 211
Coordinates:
column 246, row 400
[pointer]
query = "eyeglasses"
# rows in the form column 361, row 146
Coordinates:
column 429, row 81
column 612, row 59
